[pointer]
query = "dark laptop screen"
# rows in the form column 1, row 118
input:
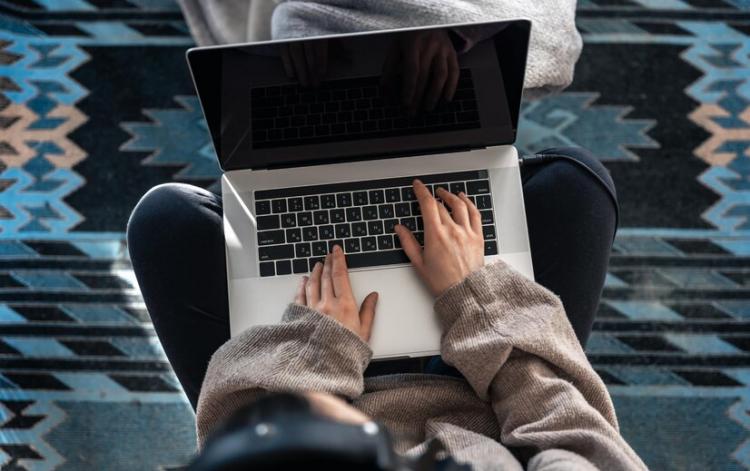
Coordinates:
column 366, row 95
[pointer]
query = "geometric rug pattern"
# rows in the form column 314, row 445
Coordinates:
column 96, row 107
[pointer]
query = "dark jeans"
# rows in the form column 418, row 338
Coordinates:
column 176, row 244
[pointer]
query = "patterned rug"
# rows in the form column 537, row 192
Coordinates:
column 96, row 107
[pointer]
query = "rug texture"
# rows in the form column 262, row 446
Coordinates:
column 96, row 107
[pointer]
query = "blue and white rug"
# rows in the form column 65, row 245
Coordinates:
column 96, row 107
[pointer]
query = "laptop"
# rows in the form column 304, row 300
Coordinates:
column 317, row 148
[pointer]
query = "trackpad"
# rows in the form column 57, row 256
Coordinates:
column 405, row 324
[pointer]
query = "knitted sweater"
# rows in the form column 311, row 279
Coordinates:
column 528, row 386
column 553, row 50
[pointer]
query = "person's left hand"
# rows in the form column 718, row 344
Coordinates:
column 328, row 291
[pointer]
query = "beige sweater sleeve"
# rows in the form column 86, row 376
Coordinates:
column 512, row 341
column 307, row 351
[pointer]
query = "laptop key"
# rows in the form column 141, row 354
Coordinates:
column 304, row 219
column 295, row 204
column 312, row 203
column 478, row 187
column 488, row 232
column 351, row 245
column 332, row 243
column 283, row 267
column 262, row 207
column 302, row 250
column 320, row 217
column 288, row 220
column 392, row 195
column 267, row 269
column 268, row 222
column 309, row 233
column 373, row 259
column 407, row 194
column 377, row 196
column 385, row 211
column 278, row 206
column 328, row 201
column 403, row 210
column 487, row 217
column 359, row 198
column 344, row 200
column 275, row 252
column 409, row 223
column 326, row 232
column 299, row 265
column 312, row 261
column 385, row 242
column 484, row 202
column 353, row 214
column 458, row 187
column 375, row 227
column 359, row 229
column 420, row 223
column 337, row 216
column 370, row 212
column 389, row 225
column 343, row 230
column 271, row 237
column 319, row 249
column 490, row 247
column 369, row 244
column 293, row 235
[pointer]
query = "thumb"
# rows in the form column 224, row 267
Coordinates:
column 367, row 315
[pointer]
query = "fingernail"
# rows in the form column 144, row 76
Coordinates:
column 337, row 248
column 417, row 180
column 461, row 193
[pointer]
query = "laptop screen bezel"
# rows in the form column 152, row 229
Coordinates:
column 205, row 65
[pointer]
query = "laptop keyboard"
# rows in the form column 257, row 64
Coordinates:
column 348, row 109
column 298, row 226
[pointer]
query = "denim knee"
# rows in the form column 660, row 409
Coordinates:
column 163, row 214
column 591, row 172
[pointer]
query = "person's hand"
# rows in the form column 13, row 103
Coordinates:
column 453, row 242
column 327, row 290
column 307, row 61
column 428, row 65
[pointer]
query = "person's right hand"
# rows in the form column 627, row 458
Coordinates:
column 453, row 242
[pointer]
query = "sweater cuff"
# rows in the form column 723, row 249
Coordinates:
column 491, row 283
column 330, row 335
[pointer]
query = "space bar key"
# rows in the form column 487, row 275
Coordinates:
column 374, row 259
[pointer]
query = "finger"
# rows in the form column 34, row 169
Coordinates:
column 326, row 282
column 475, row 217
column 445, row 216
column 453, row 72
column 367, row 315
column 437, row 83
column 310, row 63
column 340, row 274
column 312, row 290
column 459, row 211
column 410, row 245
column 427, row 205
column 300, row 298
column 297, row 54
column 287, row 61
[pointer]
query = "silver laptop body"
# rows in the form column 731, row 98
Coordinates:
column 289, row 191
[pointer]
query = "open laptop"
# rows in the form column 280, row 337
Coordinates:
column 332, row 160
